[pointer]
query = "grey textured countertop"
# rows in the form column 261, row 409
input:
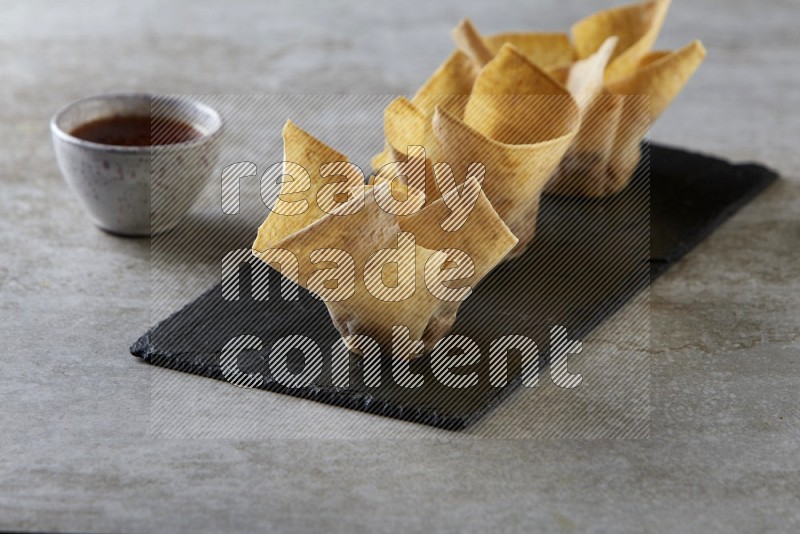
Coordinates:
column 78, row 452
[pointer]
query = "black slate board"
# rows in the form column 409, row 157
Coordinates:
column 577, row 278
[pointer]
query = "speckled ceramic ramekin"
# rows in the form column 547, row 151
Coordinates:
column 133, row 190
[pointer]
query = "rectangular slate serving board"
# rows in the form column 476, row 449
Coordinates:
column 589, row 257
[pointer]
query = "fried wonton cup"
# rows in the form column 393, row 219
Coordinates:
column 621, row 87
column 332, row 238
column 517, row 123
column 638, row 85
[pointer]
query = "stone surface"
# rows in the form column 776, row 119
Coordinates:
column 78, row 451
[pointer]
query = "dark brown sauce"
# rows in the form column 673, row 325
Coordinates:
column 136, row 130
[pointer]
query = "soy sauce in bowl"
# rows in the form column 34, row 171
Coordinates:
column 137, row 130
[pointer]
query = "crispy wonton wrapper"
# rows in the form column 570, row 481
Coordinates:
column 517, row 122
column 332, row 241
column 620, row 85
column 638, row 87
column 408, row 122
column 448, row 88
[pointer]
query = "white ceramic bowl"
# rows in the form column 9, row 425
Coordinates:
column 136, row 190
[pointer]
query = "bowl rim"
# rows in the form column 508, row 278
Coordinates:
column 63, row 135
